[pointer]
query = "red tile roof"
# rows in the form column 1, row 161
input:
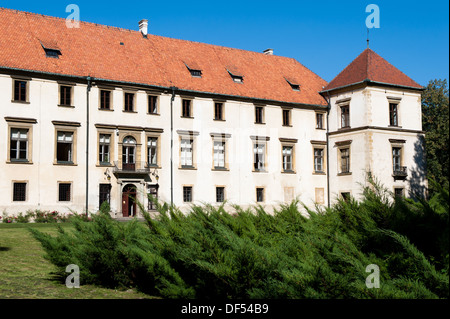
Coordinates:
column 370, row 66
column 96, row 50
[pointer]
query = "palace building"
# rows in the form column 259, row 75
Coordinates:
column 96, row 113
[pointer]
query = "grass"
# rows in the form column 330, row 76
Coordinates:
column 25, row 274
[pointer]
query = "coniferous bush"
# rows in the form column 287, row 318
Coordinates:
column 248, row 253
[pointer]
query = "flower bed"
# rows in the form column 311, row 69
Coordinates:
column 39, row 216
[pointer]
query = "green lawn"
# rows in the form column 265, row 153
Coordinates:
column 24, row 273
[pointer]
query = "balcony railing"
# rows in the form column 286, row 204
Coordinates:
column 131, row 168
column 400, row 172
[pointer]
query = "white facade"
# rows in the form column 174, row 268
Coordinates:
column 42, row 118
column 371, row 140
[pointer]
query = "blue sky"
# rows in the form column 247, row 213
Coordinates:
column 325, row 36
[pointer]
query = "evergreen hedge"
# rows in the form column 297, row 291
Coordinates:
column 212, row 253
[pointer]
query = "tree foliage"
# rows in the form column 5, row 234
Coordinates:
column 248, row 253
column 435, row 123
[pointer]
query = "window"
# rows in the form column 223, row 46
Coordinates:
column 397, row 158
column 399, row 171
column 293, row 83
column 64, row 192
column 187, row 194
column 194, row 69
column 64, row 147
column 196, row 73
column 220, row 194
column 259, row 114
column 104, row 149
column 319, row 120
column 218, row 111
column 19, row 145
column 20, row 90
column 318, row 160
column 393, row 114
column 235, row 74
column 152, row 104
column 286, row 117
column 152, row 197
column 52, row 53
column 19, row 192
column 259, row 150
column 129, row 102
column 186, row 152
column 104, row 194
column 345, row 116
column 287, row 153
column 399, row 192
column 105, row 100
column 237, row 78
column 129, row 153
column 345, row 160
column 219, row 154
column 345, row 196
column 186, row 108
column 152, row 149
column 260, row 194
column 65, row 95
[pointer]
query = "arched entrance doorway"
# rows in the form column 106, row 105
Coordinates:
column 129, row 200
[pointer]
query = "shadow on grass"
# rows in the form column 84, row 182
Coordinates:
column 5, row 248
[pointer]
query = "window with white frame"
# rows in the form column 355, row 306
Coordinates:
column 259, row 156
column 318, row 160
column 64, row 147
column 152, row 151
column 287, row 154
column 19, row 144
column 104, row 149
column 219, row 154
column 187, row 152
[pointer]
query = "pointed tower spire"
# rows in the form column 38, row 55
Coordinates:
column 367, row 37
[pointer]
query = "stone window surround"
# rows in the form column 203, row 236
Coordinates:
column 20, row 78
column 20, row 123
column 288, row 142
column 72, row 127
column 319, row 145
column 220, row 137
column 344, row 145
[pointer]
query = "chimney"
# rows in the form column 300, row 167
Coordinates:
column 268, row 51
column 143, row 27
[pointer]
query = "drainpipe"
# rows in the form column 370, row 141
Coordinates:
column 171, row 144
column 88, row 89
column 328, row 152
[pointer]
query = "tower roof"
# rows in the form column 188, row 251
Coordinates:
column 369, row 66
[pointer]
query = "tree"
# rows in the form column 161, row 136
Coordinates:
column 435, row 122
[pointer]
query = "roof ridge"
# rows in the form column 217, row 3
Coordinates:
column 151, row 35
column 59, row 18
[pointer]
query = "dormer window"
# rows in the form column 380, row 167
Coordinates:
column 51, row 53
column 194, row 69
column 235, row 74
column 294, row 84
column 51, row 50
column 237, row 78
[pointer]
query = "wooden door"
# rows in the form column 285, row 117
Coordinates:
column 129, row 200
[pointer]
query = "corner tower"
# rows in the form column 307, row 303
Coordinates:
column 375, row 125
